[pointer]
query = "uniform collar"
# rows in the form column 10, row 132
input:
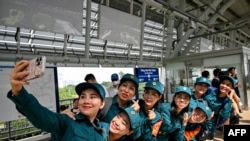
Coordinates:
column 81, row 117
column 193, row 96
column 114, row 101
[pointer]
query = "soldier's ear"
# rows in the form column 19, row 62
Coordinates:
column 102, row 105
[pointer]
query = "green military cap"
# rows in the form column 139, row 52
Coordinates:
column 231, row 79
column 134, row 117
column 203, row 80
column 204, row 108
column 183, row 89
column 156, row 85
column 130, row 77
column 83, row 86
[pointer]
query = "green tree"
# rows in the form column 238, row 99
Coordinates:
column 67, row 92
column 107, row 84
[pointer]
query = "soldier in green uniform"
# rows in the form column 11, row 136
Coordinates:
column 149, row 112
column 220, row 103
column 85, row 127
column 127, row 89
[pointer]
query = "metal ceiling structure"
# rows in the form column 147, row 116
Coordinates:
column 170, row 28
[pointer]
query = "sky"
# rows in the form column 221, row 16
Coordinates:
column 75, row 75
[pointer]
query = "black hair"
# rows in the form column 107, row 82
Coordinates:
column 157, row 104
column 216, row 71
column 173, row 108
column 75, row 99
column 89, row 76
column 223, row 73
column 63, row 107
column 230, row 69
column 205, row 73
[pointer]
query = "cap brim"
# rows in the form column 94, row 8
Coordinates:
column 124, row 111
column 83, row 86
column 127, row 79
column 203, row 83
column 153, row 89
column 183, row 92
column 204, row 110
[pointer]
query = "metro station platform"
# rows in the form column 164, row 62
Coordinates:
column 244, row 120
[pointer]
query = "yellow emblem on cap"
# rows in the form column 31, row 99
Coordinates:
column 132, row 76
column 132, row 112
column 184, row 88
column 154, row 83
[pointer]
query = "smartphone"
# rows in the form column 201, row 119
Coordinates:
column 36, row 68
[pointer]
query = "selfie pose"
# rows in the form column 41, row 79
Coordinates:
column 195, row 123
column 174, row 116
column 127, row 89
column 149, row 112
column 63, row 128
column 125, row 123
column 220, row 104
column 201, row 89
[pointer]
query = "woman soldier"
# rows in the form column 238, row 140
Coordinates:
column 220, row 104
column 200, row 88
column 174, row 116
column 127, row 89
column 195, row 124
column 200, row 91
column 125, row 123
column 62, row 128
column 149, row 106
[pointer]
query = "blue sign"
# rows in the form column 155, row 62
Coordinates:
column 147, row 74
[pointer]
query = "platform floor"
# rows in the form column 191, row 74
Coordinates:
column 244, row 120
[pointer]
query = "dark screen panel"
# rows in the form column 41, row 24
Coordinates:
column 58, row 16
column 119, row 26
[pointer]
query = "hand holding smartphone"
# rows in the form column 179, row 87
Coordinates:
column 36, row 68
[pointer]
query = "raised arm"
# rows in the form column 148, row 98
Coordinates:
column 28, row 105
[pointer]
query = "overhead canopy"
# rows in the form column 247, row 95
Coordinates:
column 169, row 29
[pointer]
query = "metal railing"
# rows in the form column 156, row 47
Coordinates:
column 22, row 128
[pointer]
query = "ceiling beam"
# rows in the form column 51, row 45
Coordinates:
column 210, row 21
column 220, row 31
column 190, row 17
column 181, row 42
column 234, row 21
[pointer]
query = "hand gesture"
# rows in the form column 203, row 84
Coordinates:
column 239, row 85
column 69, row 113
column 136, row 105
column 231, row 94
column 18, row 75
column 185, row 119
column 212, row 115
column 151, row 114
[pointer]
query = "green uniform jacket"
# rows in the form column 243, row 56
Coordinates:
column 114, row 110
column 221, row 107
column 170, row 127
column 192, row 126
column 60, row 126
column 146, row 124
